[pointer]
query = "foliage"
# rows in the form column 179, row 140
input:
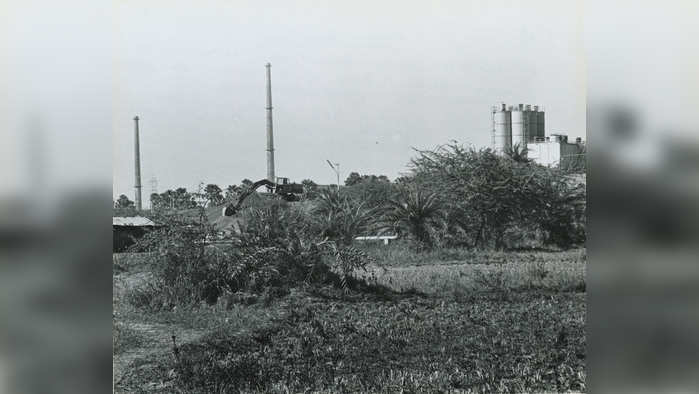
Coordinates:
column 214, row 194
column 355, row 178
column 183, row 266
column 123, row 202
column 485, row 194
column 232, row 193
column 276, row 249
column 310, row 189
column 415, row 213
column 518, row 153
column 347, row 261
column 529, row 343
column 339, row 218
column 124, row 338
column 374, row 191
column 575, row 164
column 313, row 247
column 179, row 198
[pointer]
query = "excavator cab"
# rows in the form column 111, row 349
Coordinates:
column 284, row 187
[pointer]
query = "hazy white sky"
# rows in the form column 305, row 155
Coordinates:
column 358, row 83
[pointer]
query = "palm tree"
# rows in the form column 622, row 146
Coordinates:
column 416, row 213
column 339, row 217
column 518, row 153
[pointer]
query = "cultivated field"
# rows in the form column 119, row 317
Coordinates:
column 455, row 320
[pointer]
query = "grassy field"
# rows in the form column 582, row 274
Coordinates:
column 452, row 320
column 444, row 273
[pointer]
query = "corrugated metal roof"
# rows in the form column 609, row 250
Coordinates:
column 132, row 221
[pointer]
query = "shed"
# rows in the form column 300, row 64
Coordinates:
column 126, row 230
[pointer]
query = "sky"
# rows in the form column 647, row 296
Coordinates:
column 357, row 83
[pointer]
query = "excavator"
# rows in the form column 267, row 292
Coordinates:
column 282, row 188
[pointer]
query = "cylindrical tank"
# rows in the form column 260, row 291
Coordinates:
column 502, row 130
column 518, row 127
column 532, row 125
column 540, row 124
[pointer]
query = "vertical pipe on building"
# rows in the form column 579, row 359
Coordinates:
column 137, row 165
column 270, row 136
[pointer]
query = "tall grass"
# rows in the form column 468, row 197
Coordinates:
column 460, row 271
column 399, row 253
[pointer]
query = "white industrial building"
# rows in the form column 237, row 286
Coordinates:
column 524, row 126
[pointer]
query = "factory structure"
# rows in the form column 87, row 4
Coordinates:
column 524, row 126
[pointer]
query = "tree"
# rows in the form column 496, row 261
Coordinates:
column 340, row 218
column 232, row 193
column 184, row 199
column 175, row 199
column 353, row 179
column 484, row 195
column 416, row 213
column 246, row 183
column 156, row 201
column 404, row 180
column 214, row 194
column 123, row 202
column 374, row 191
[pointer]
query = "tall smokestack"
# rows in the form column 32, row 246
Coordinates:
column 137, row 163
column 270, row 134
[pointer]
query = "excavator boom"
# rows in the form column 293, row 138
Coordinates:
column 288, row 191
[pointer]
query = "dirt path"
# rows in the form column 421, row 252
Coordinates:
column 156, row 341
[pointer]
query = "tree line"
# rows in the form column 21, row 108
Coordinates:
column 450, row 196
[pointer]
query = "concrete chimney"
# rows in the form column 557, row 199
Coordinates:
column 270, row 134
column 137, row 165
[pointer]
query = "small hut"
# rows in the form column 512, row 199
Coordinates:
column 126, row 230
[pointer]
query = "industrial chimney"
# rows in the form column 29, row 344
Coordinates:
column 137, row 162
column 270, row 134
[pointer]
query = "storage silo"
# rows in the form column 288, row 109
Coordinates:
column 540, row 124
column 532, row 123
column 518, row 127
column 502, row 129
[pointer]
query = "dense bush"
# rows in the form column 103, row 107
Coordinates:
column 278, row 248
column 373, row 191
column 485, row 195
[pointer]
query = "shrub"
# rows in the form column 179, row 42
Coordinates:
column 416, row 213
column 485, row 194
column 339, row 218
column 275, row 250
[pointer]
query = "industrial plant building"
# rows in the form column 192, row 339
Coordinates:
column 524, row 126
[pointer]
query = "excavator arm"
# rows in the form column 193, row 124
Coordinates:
column 232, row 209
column 285, row 190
